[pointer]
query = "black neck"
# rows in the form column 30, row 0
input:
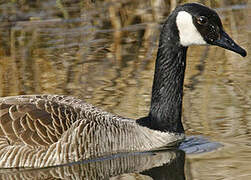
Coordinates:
column 167, row 91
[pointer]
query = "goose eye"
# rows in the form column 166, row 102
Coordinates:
column 202, row 20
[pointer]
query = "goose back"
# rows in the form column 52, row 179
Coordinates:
column 47, row 130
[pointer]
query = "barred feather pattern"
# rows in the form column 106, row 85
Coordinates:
column 48, row 130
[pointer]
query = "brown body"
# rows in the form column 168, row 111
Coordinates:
column 48, row 130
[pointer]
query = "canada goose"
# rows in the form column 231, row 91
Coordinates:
column 47, row 130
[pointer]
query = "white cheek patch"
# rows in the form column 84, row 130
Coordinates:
column 188, row 33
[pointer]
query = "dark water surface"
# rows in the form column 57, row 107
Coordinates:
column 104, row 52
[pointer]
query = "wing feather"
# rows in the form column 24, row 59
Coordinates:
column 36, row 120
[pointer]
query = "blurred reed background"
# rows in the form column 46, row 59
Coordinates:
column 104, row 52
column 97, row 50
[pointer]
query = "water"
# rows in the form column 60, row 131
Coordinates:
column 104, row 52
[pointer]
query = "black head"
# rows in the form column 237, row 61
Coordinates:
column 198, row 25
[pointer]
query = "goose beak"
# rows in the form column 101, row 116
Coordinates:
column 226, row 42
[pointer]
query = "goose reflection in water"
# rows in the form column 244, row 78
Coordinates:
column 157, row 165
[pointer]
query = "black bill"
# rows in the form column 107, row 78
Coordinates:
column 226, row 42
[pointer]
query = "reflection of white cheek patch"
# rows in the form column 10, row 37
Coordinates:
column 188, row 33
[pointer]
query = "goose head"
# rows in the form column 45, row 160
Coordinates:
column 200, row 25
